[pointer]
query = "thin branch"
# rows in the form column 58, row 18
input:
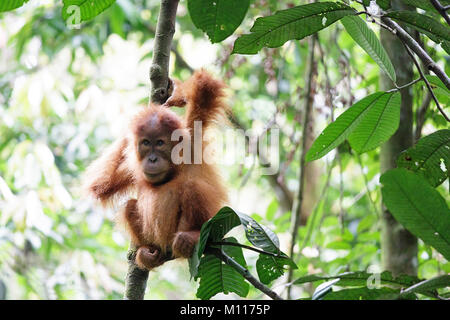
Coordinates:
column 296, row 212
column 441, row 9
column 179, row 60
column 421, row 53
column 316, row 207
column 312, row 217
column 341, row 193
column 398, row 88
column 233, row 244
column 422, row 76
column 327, row 77
column 284, row 195
column 245, row 273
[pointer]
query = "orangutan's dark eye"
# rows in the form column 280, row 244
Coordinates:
column 159, row 143
column 145, row 142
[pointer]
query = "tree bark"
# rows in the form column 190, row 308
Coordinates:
column 398, row 245
column 136, row 279
column 159, row 70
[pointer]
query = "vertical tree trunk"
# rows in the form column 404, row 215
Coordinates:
column 136, row 279
column 398, row 245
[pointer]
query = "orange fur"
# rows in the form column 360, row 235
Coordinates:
column 167, row 216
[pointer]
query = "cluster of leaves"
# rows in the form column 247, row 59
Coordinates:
column 217, row 276
column 373, row 286
column 408, row 191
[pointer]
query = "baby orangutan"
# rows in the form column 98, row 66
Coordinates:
column 173, row 200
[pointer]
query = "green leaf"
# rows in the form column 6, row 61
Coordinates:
column 433, row 29
column 218, row 18
column 83, row 10
column 259, row 235
column 430, row 157
column 194, row 262
column 430, row 27
column 215, row 228
column 365, row 294
column 424, row 5
column 339, row 245
column 383, row 4
column 438, row 86
column 367, row 39
column 212, row 230
column 226, row 219
column 418, row 207
column 294, row 23
column 378, row 124
column 323, row 289
column 270, row 268
column 216, row 276
column 378, row 107
column 271, row 210
column 360, row 278
column 366, row 223
column 429, row 285
column 117, row 20
column 7, row 5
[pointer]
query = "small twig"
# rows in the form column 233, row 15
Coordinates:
column 398, row 88
column 316, row 207
column 381, row 24
column 341, row 192
column 284, row 195
column 441, row 9
column 327, row 77
column 179, row 60
column 297, row 210
column 245, row 273
column 233, row 244
column 422, row 76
